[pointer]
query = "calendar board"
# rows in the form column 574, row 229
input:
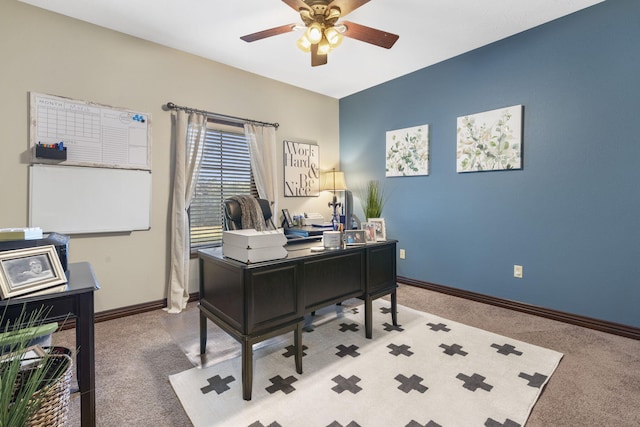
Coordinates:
column 93, row 134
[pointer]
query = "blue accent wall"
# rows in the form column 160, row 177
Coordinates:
column 570, row 216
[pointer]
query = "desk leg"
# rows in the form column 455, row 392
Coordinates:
column 297, row 342
column 86, row 359
column 394, row 308
column 203, row 333
column 368, row 316
column 247, row 368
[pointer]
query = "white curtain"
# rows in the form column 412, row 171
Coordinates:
column 262, row 149
column 188, row 138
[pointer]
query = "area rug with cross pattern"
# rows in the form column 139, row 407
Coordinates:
column 427, row 371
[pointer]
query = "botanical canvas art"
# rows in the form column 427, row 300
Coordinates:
column 408, row 151
column 491, row 140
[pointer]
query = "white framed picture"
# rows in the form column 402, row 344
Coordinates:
column 380, row 227
column 490, row 141
column 369, row 232
column 408, row 151
column 354, row 237
column 28, row 270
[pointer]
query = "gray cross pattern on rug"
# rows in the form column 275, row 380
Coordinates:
column 439, row 327
column 344, row 327
column 347, row 351
column 414, row 423
column 413, row 383
column 493, row 423
column 453, row 349
column 385, row 310
column 282, row 384
column 259, row 424
column 506, row 349
column 217, row 384
column 337, row 424
column 474, row 382
column 344, row 384
column 398, row 350
column 536, row 380
column 291, row 350
column 389, row 328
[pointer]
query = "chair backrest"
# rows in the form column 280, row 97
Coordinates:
column 233, row 214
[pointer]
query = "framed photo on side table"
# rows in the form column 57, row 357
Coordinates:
column 381, row 230
column 354, row 237
column 28, row 270
column 369, row 232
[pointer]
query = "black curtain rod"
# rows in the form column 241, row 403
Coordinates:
column 172, row 106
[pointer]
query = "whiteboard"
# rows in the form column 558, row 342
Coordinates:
column 93, row 134
column 74, row 199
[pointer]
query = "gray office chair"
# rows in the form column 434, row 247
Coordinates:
column 233, row 213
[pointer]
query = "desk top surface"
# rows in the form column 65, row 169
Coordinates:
column 294, row 253
column 80, row 279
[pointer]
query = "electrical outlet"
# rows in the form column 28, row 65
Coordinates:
column 517, row 271
column 403, row 254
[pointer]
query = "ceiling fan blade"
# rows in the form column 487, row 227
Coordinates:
column 346, row 6
column 269, row 33
column 316, row 58
column 296, row 4
column 369, row 35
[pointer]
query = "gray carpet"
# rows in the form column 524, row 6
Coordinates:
column 596, row 384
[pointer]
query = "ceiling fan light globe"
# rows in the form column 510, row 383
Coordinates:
column 333, row 37
column 341, row 28
column 323, row 47
column 314, row 33
column 304, row 44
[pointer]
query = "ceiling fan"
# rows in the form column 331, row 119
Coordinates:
column 323, row 32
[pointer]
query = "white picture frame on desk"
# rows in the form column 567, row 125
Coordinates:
column 28, row 270
column 355, row 237
column 369, row 232
column 381, row 229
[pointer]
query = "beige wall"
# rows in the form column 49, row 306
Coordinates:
column 49, row 53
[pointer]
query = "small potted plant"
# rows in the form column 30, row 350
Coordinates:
column 33, row 382
column 372, row 199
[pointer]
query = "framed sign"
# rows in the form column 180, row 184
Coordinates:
column 301, row 169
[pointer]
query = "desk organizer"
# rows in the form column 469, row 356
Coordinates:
column 51, row 153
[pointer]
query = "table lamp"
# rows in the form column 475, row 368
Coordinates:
column 333, row 181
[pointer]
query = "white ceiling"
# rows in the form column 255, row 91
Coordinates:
column 430, row 31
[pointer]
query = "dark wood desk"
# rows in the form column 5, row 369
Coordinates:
column 76, row 301
column 253, row 302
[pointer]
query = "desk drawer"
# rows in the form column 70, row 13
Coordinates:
column 273, row 297
column 333, row 279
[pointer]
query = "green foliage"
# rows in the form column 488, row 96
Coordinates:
column 372, row 199
column 18, row 385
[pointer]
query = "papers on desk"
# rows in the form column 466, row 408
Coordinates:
column 312, row 218
column 322, row 225
column 250, row 246
column 24, row 233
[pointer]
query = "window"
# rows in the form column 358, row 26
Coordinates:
column 225, row 172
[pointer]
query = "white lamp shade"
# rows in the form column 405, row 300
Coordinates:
column 332, row 180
